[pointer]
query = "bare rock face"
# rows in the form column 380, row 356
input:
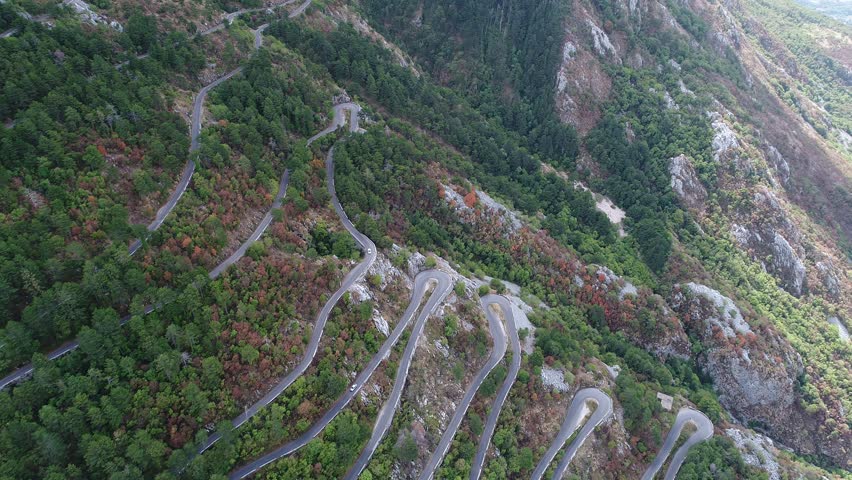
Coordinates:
column 788, row 265
column 685, row 182
column 724, row 138
column 829, row 277
column 603, row 46
column 754, row 370
column 782, row 168
column 768, row 236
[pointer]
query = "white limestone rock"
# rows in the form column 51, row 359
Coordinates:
column 685, row 182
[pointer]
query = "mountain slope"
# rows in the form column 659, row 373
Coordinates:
column 661, row 190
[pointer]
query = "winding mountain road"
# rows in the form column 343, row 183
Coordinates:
column 301, row 8
column 189, row 169
column 233, row 16
column 339, row 119
column 383, row 422
column 262, row 226
column 502, row 394
column 369, row 249
column 576, row 412
column 704, row 430
column 27, row 370
column 498, row 333
column 421, row 283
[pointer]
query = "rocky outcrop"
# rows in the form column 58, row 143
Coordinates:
column 841, row 328
column 603, row 46
column 788, row 265
column 754, row 370
column 724, row 138
column 685, row 182
column 769, row 237
column 829, row 277
column 84, row 10
column 779, row 163
column 757, row 450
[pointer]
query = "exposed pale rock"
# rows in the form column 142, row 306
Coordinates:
column 603, row 46
column 728, row 317
column 683, row 89
column 757, row 450
column 665, row 400
column 360, row 292
column 787, row 263
column 614, row 370
column 380, row 323
column 760, row 385
column 489, row 202
column 554, row 379
column 685, row 182
column 627, row 289
column 442, row 349
column 724, row 139
column 84, row 10
column 828, row 275
column 670, row 103
column 841, row 329
column 606, row 206
column 782, row 168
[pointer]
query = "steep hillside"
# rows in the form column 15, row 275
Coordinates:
column 407, row 239
column 734, row 113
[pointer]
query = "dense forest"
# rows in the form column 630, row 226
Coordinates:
column 95, row 138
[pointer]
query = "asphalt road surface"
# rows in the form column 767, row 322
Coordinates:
column 301, row 8
column 491, row 422
column 421, row 284
column 498, row 333
column 233, row 15
column 189, row 169
column 704, row 430
column 195, row 130
column 576, row 413
column 26, row 370
column 262, row 226
column 383, row 422
column 339, row 119
column 369, row 249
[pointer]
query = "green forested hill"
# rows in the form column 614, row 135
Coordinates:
column 716, row 129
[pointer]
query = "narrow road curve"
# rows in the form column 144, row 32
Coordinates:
column 339, row 119
column 704, row 430
column 491, row 423
column 301, row 8
column 498, row 333
column 383, row 421
column 576, row 412
column 26, row 370
column 261, row 227
column 421, row 284
column 194, row 131
column 189, row 169
column 233, row 16
column 369, row 249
